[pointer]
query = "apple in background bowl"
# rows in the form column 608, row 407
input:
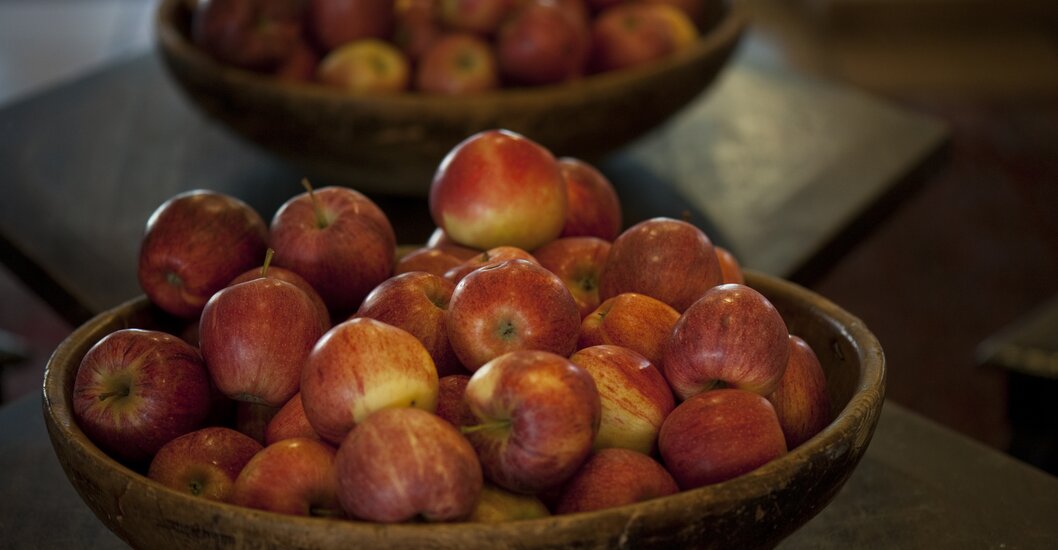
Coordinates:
column 457, row 63
column 366, row 66
column 336, row 22
column 541, row 43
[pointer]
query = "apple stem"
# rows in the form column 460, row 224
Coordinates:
column 321, row 220
column 107, row 395
column 494, row 425
column 267, row 262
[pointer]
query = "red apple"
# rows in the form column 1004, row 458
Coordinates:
column 441, row 241
column 339, row 241
column 335, row 23
column 204, row 462
column 498, row 505
column 404, row 463
column 615, row 477
column 417, row 25
column 730, row 269
column 300, row 65
column 430, row 260
column 252, row 34
column 293, row 476
column 270, row 271
column 417, row 302
column 252, row 419
column 702, row 13
column 492, row 256
column 594, row 209
column 718, row 435
column 499, row 188
column 579, row 262
column 667, row 259
column 194, row 244
column 450, row 403
column 515, row 305
column 538, row 414
column 540, row 43
column 732, row 337
column 255, row 338
column 361, row 366
column 636, row 33
column 634, row 395
column 456, row 64
column 366, row 66
column 136, row 390
column 289, row 422
column 634, row 321
column 481, row 17
column 801, row 401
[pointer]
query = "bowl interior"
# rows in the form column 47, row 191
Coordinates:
column 757, row 509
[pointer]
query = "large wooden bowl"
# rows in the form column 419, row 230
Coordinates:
column 754, row 510
column 393, row 143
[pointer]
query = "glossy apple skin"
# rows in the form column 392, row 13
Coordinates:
column 634, row 321
column 734, row 337
column 615, row 477
column 430, row 260
column 492, row 256
column 343, row 260
column 801, row 401
column 289, row 422
column 637, row 33
column 634, row 396
column 594, row 208
column 515, row 305
column 136, row 390
column 194, row 244
column 670, row 260
column 252, row 34
column 255, row 338
column 204, row 463
column 497, row 505
column 417, row 302
column 361, row 366
column 336, row 22
column 718, row 435
column 499, row 188
column 537, row 417
column 403, row 463
column 456, row 64
column 450, row 403
column 293, row 476
column 730, row 268
column 441, row 241
column 578, row 262
column 289, row 276
column 366, row 66
column 541, row 44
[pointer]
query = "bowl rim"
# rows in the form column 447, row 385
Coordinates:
column 724, row 34
column 853, row 423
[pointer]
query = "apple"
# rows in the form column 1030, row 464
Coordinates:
column 703, row 13
column 252, row 419
column 361, row 366
column 515, row 305
column 578, row 262
column 615, row 477
column 416, row 26
column 481, row 17
column 366, row 66
column 492, row 256
column 450, row 403
column 594, row 209
column 300, row 65
column 637, row 33
column 497, row 505
column 441, row 241
column 195, row 243
column 730, row 269
column 635, row 397
column 270, row 271
column 537, row 417
column 634, row 321
column 667, row 259
column 338, row 240
column 457, row 63
column 404, row 463
column 498, row 188
column 801, row 401
column 718, row 435
column 136, row 390
column 294, row 476
column 417, row 302
column 335, row 23
column 289, row 422
column 252, row 34
column 203, row 463
column 255, row 338
column 430, row 260
column 540, row 43
column 732, row 337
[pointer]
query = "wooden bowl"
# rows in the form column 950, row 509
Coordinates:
column 757, row 509
column 393, row 143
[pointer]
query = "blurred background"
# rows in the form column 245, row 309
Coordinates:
column 971, row 254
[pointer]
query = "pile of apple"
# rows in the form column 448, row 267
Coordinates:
column 531, row 359
column 444, row 46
